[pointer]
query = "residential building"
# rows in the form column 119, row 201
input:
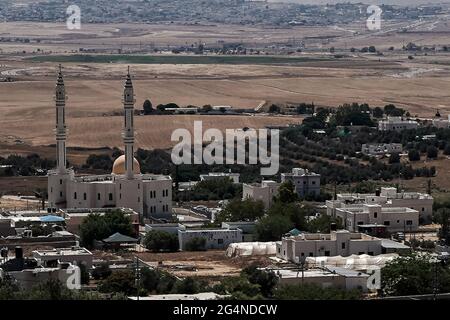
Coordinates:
column 305, row 182
column 25, row 238
column 80, row 256
column 28, row 272
column 372, row 149
column 264, row 192
column 248, row 229
column 220, row 175
column 386, row 197
column 337, row 277
column 397, row 124
column 215, row 238
column 171, row 228
column 393, row 219
column 337, row 243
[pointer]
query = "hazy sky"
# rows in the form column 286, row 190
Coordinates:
column 398, row 2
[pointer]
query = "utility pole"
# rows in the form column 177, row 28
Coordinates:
column 137, row 277
column 435, row 284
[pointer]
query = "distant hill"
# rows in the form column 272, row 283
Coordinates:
column 390, row 2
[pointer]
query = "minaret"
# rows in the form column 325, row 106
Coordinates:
column 128, row 131
column 61, row 134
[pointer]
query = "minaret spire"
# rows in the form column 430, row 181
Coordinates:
column 128, row 131
column 61, row 132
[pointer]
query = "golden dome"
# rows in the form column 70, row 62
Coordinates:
column 119, row 166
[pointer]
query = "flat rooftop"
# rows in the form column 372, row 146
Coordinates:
column 208, row 230
column 63, row 252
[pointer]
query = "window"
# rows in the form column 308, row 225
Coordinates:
column 327, row 253
column 313, row 182
column 302, row 254
column 370, row 253
column 98, row 196
column 387, row 223
column 423, row 209
column 75, row 196
column 219, row 241
column 360, row 223
column 60, row 181
column 311, row 254
column 110, row 197
column 139, row 199
column 120, row 196
column 120, row 186
column 409, row 222
column 360, row 253
column 343, row 245
column 60, row 194
column 51, row 190
column 84, row 196
column 139, row 186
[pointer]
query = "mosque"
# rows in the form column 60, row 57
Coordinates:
column 126, row 187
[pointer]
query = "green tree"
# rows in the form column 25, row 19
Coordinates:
column 354, row 114
column 272, row 227
column 295, row 212
column 394, row 158
column 102, row 271
column 392, row 110
column 274, row 109
column 447, row 149
column 99, row 227
column 323, row 224
column 442, row 216
column 147, row 107
column 377, row 112
column 84, row 274
column 239, row 288
column 267, row 280
column 150, row 279
column 187, row 286
column 242, row 210
column 119, row 282
column 196, row 244
column 207, row 108
column 161, row 241
column 287, row 193
column 432, row 152
column 413, row 274
column 414, row 155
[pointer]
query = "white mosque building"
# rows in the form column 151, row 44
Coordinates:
column 126, row 187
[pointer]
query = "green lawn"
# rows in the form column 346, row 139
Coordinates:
column 175, row 59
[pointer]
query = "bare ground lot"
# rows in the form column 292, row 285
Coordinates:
column 211, row 263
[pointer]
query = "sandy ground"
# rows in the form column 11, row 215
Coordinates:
column 211, row 263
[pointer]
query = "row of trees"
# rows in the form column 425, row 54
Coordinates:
column 98, row 227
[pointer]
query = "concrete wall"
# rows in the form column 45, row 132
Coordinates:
column 215, row 239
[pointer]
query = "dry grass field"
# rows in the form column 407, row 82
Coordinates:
column 94, row 89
